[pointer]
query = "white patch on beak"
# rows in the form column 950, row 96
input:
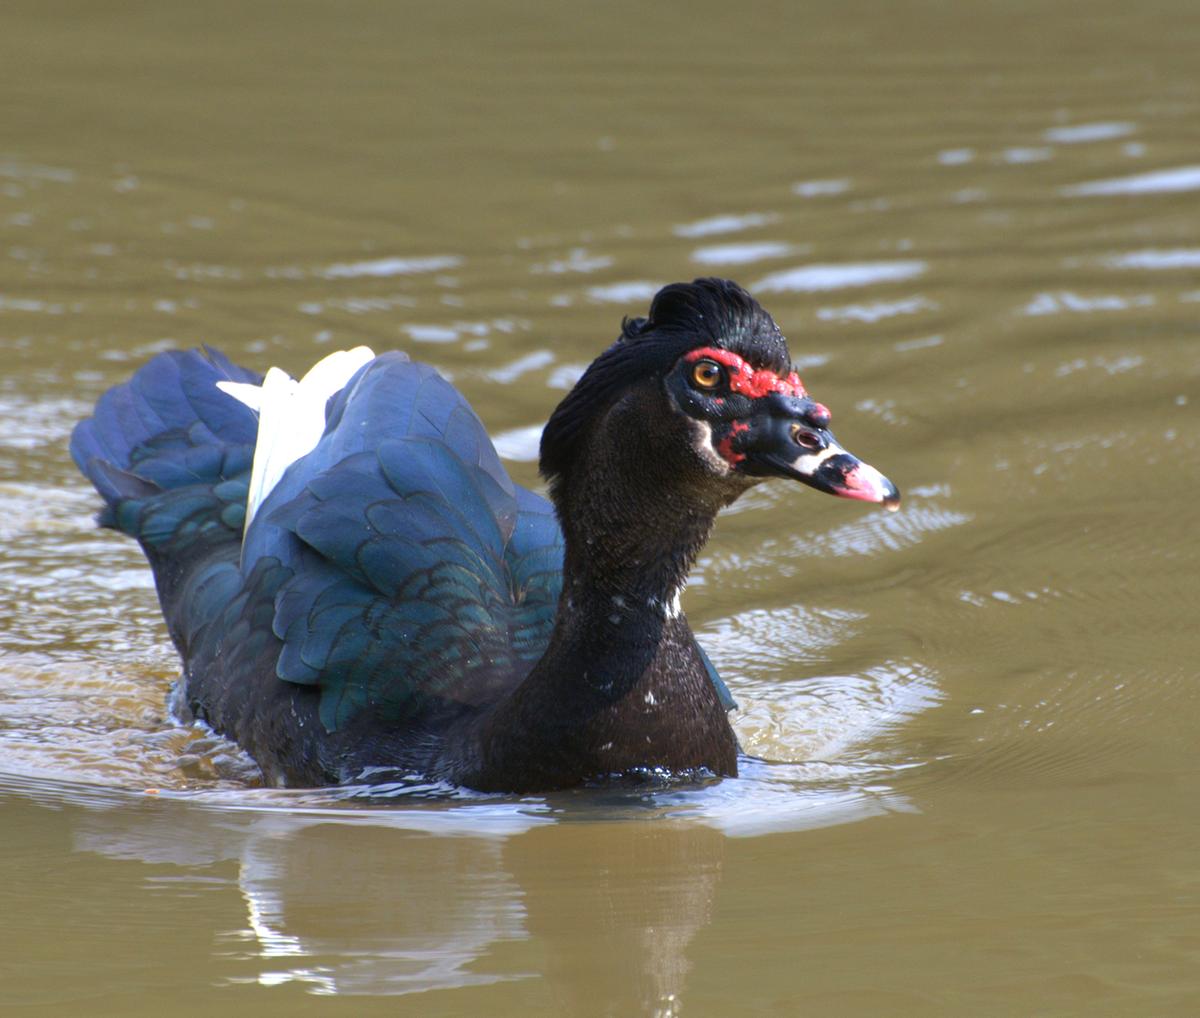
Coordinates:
column 810, row 462
column 858, row 480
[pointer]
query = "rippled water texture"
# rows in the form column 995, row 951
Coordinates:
column 975, row 719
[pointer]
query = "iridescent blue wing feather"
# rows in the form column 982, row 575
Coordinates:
column 422, row 580
column 171, row 455
column 167, row 429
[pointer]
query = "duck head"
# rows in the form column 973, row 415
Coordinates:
column 700, row 396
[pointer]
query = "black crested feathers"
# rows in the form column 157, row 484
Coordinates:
column 683, row 316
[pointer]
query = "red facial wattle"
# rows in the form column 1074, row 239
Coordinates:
column 786, row 434
column 749, row 381
column 725, row 445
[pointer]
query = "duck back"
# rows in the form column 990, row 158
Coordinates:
column 392, row 582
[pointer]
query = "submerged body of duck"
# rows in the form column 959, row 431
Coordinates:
column 358, row 590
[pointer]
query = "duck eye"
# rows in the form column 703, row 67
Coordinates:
column 707, row 374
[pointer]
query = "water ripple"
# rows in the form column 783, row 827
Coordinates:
column 1182, row 178
column 391, row 267
column 1077, row 134
column 741, row 254
column 725, row 224
column 1176, row 258
column 814, row 278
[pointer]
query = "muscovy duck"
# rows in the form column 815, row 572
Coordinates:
column 359, row 592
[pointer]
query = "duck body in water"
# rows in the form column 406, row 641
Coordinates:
column 359, row 592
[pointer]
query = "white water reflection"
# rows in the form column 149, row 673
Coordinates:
column 876, row 533
column 1183, row 178
column 777, row 640
column 814, row 278
column 31, row 306
column 876, row 311
column 725, row 224
column 922, row 343
column 838, row 795
column 1077, row 134
column 378, row 267
column 33, row 423
column 520, row 445
column 439, row 925
column 452, row 332
column 565, row 376
column 431, row 333
column 508, row 373
column 357, row 305
column 1110, row 365
column 1066, row 301
column 636, row 290
column 821, row 188
column 1176, row 258
column 1025, row 154
column 741, row 254
column 579, row 260
column 32, row 171
column 824, row 724
column 956, row 156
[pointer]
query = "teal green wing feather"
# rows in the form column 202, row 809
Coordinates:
column 422, row 580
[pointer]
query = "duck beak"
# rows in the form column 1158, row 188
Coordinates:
column 797, row 443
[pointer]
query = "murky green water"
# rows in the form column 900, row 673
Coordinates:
column 979, row 225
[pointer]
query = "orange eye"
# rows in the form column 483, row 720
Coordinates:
column 707, row 374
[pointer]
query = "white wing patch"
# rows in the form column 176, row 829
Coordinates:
column 291, row 415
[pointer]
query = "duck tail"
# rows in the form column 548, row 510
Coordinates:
column 171, row 453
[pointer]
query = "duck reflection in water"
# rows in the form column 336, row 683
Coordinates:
column 579, row 912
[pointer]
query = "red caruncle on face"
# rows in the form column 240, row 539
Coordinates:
column 725, row 446
column 747, row 380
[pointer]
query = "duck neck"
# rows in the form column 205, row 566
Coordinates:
column 630, row 553
column 621, row 687
column 633, row 527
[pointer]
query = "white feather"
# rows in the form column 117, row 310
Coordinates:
column 291, row 415
column 243, row 392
